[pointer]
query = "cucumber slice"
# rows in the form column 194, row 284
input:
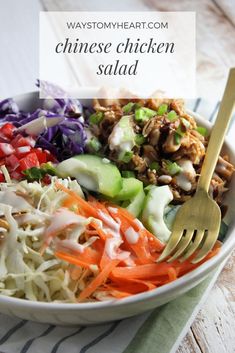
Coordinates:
column 92, row 172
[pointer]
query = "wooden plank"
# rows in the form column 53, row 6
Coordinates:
column 214, row 328
column 189, row 344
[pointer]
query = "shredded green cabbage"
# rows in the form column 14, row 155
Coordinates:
column 24, row 272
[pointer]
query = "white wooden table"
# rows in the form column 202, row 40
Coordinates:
column 213, row 331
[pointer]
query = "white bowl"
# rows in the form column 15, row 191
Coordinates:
column 99, row 312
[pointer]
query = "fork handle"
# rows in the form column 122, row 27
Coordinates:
column 218, row 133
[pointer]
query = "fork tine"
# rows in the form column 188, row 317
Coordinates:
column 206, row 247
column 194, row 246
column 183, row 244
column 176, row 235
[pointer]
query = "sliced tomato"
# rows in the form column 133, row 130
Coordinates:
column 31, row 141
column 3, row 138
column 18, row 141
column 19, row 153
column 16, row 175
column 50, row 157
column 12, row 162
column 7, row 130
column 42, row 155
column 29, row 161
column 6, row 149
column 21, row 141
column 22, row 151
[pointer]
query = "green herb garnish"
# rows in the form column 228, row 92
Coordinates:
column 96, row 118
column 172, row 116
column 179, row 133
column 94, row 144
column 202, row 130
column 35, row 173
column 48, row 168
column 128, row 107
column 177, row 138
column 154, row 166
column 185, row 122
column 149, row 112
column 172, row 167
column 162, row 109
column 139, row 139
column 139, row 115
column 125, row 157
column 144, row 114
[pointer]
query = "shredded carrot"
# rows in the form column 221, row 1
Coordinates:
column 138, row 273
column 98, row 280
column 99, row 231
column 105, row 259
column 86, row 207
column 72, row 259
column 132, row 285
column 146, row 271
column 98, row 246
column 139, row 248
column 115, row 292
column 88, row 256
column 172, row 273
column 154, row 241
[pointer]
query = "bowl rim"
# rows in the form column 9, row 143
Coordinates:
column 194, row 276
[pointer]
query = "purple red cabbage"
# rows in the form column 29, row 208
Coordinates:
column 65, row 139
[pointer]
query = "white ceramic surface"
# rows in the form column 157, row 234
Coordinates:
column 94, row 313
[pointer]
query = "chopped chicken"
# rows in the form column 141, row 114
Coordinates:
column 172, row 150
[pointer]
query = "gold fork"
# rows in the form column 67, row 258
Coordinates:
column 197, row 223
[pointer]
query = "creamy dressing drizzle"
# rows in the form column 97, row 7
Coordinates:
column 63, row 218
column 131, row 236
column 113, row 209
column 183, row 182
column 74, row 245
column 70, row 244
column 184, row 179
column 110, row 225
column 113, row 243
column 122, row 136
column 138, row 223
